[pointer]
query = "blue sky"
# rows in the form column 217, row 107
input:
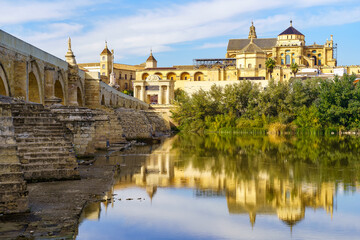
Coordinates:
column 177, row 31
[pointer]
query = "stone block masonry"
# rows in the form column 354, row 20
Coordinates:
column 13, row 191
column 40, row 143
column 142, row 124
column 43, row 150
column 90, row 129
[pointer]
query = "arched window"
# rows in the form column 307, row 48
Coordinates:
column 103, row 66
column 249, row 66
column 287, row 59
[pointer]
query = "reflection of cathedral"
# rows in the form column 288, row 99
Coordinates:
column 264, row 194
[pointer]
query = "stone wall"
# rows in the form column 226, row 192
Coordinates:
column 13, row 192
column 90, row 129
column 99, row 94
column 192, row 87
column 139, row 124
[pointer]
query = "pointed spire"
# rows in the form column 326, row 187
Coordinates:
column 69, row 44
column 290, row 23
column 70, row 57
column 106, row 44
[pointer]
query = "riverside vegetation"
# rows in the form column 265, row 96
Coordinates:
column 311, row 105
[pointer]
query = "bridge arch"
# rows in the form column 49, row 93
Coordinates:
column 102, row 100
column 80, row 94
column 4, row 87
column 59, row 88
column 35, row 86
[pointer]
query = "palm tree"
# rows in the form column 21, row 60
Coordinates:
column 294, row 68
column 270, row 65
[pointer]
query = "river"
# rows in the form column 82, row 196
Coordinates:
column 232, row 187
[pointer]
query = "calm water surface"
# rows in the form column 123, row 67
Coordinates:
column 216, row 187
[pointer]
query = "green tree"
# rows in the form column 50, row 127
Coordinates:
column 339, row 101
column 270, row 64
column 294, row 68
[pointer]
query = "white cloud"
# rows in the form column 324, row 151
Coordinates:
column 162, row 27
column 213, row 45
column 15, row 12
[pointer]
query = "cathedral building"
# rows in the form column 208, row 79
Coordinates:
column 245, row 59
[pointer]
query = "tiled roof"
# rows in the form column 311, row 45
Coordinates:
column 106, row 51
column 151, row 58
column 263, row 43
column 252, row 48
column 127, row 67
column 291, row 31
column 89, row 64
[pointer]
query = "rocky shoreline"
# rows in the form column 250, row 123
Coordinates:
column 55, row 207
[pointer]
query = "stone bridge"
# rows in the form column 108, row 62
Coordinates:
column 34, row 75
column 31, row 74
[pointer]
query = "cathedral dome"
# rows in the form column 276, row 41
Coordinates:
column 291, row 31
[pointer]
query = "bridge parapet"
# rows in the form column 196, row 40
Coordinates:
column 99, row 94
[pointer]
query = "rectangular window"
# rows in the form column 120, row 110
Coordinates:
column 103, row 66
column 125, row 76
column 259, row 65
column 120, row 76
column 319, row 62
column 284, row 76
column 293, row 60
column 126, row 86
column 131, row 77
column 282, row 61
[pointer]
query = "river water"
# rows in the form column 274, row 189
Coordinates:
column 230, row 187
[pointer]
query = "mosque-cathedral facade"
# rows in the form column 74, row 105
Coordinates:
column 244, row 60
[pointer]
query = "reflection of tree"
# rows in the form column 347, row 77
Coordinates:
column 314, row 159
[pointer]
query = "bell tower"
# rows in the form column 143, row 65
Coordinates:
column 252, row 33
column 151, row 61
column 106, row 59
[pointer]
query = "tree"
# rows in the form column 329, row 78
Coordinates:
column 270, row 65
column 294, row 68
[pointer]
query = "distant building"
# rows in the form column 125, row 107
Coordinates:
column 123, row 74
column 245, row 60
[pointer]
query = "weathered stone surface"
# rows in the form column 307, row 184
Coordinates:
column 13, row 192
column 139, row 124
column 39, row 140
column 40, row 144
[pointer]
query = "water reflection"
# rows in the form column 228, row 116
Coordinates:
column 257, row 175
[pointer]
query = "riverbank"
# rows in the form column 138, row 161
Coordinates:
column 55, row 207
